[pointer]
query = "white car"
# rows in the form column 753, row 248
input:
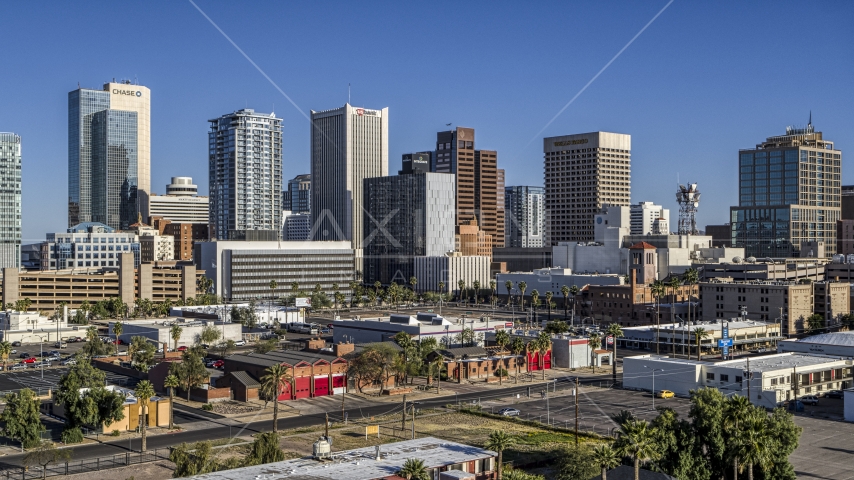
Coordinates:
column 240, row 343
column 809, row 400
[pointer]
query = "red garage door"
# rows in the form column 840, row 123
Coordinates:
column 321, row 386
column 285, row 392
column 547, row 360
column 533, row 361
column 303, row 387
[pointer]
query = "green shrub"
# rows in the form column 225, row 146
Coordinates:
column 115, row 433
column 72, row 435
column 207, row 406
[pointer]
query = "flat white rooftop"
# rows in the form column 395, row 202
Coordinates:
column 708, row 326
column 359, row 464
column 774, row 361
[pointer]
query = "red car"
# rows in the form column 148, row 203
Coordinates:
column 218, row 364
column 29, row 360
column 182, row 348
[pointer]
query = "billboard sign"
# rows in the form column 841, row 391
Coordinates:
column 303, row 302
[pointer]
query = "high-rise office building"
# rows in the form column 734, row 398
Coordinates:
column 181, row 204
column 245, row 176
column 406, row 216
column 647, row 218
column 10, row 200
column 524, row 209
column 583, row 172
column 297, row 198
column 109, row 154
column 348, row 144
column 789, row 195
column 477, row 180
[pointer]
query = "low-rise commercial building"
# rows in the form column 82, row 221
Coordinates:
column 420, row 326
column 835, row 343
column 441, row 458
column 551, row 280
column 681, row 339
column 157, row 411
column 33, row 327
column 313, row 374
column 768, row 270
column 242, row 270
column 158, row 331
column 767, row 381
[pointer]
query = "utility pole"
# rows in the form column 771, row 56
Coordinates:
column 576, row 411
column 748, row 378
column 344, row 394
column 795, row 385
column 326, row 431
column 403, row 418
column 413, row 420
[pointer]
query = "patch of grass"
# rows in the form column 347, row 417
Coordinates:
column 539, row 438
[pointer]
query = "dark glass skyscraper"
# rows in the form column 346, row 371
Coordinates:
column 789, row 195
column 108, row 155
column 297, row 198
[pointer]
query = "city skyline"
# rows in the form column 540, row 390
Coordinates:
column 696, row 94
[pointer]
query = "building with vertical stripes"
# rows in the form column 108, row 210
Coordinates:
column 348, row 145
column 10, row 200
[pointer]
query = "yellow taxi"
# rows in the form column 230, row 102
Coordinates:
column 665, row 394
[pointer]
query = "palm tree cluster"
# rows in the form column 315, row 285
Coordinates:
column 721, row 438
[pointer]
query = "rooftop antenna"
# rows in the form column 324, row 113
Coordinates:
column 348, row 96
column 810, row 123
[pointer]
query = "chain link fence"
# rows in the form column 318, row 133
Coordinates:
column 84, row 466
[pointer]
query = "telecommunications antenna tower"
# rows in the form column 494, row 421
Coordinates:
column 688, row 197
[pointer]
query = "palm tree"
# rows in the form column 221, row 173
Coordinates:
column 175, row 332
column 522, row 287
column 353, row 286
column 492, row 286
column 171, row 382
column 594, row 342
column 476, row 286
column 564, row 290
column 674, row 286
column 294, row 288
column 5, row 351
column 699, row 334
column 657, row 291
column 753, row 442
column 606, row 457
column 144, row 391
column 499, row 441
column 377, row 286
column 691, row 278
column 543, row 345
column 509, row 286
column 413, row 469
column 117, row 330
column 549, row 296
column 737, row 413
column 439, row 362
column 616, row 332
column 517, row 346
column 502, row 338
column 462, row 286
column 272, row 384
column 413, row 282
column 637, row 440
column 535, row 300
column 573, row 290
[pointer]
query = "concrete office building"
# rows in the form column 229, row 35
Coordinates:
column 88, row 245
column 679, row 338
column 647, row 218
column 245, row 176
column 835, row 343
column 181, row 204
column 33, row 327
column 406, row 216
column 48, row 289
column 156, row 248
column 109, row 154
column 348, row 145
column 773, row 379
column 477, row 181
column 518, row 259
column 584, row 172
column 242, row 270
column 419, row 326
column 297, row 226
column 789, row 194
column 787, row 302
column 524, row 216
column 780, row 270
column 10, row 200
column 184, row 236
column 297, row 198
column 450, row 269
column 721, row 234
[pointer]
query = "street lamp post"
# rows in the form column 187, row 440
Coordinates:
column 653, row 383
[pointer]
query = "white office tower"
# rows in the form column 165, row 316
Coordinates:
column 10, row 200
column 245, row 176
column 584, row 172
column 348, row 144
column 648, row 218
column 181, row 204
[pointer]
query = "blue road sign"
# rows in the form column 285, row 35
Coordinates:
column 724, row 343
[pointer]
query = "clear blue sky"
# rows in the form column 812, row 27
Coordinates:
column 705, row 79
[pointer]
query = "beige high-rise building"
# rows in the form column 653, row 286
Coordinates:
column 109, row 154
column 582, row 173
